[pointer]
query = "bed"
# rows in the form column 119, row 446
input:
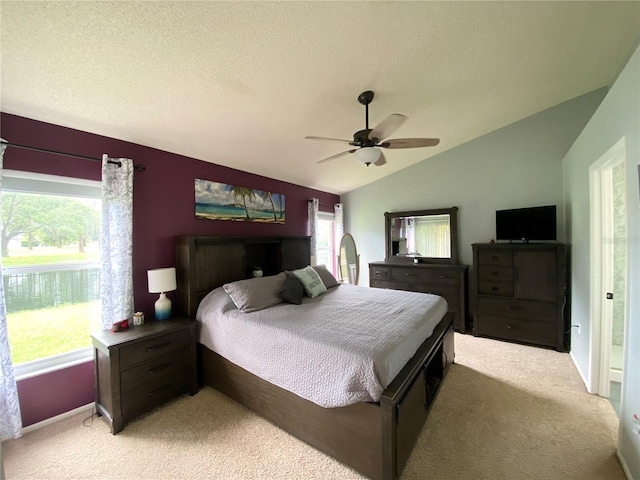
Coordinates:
column 375, row 430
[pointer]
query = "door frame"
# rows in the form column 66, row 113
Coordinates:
column 600, row 312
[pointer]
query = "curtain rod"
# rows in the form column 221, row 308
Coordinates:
column 323, row 203
column 137, row 167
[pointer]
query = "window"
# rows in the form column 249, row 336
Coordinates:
column 51, row 268
column 325, row 242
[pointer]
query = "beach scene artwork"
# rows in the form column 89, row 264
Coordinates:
column 221, row 201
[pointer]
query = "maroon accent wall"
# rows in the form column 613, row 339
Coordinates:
column 48, row 395
column 163, row 208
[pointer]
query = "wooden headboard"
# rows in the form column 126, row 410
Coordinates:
column 205, row 263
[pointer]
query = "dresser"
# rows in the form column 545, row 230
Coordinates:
column 139, row 368
column 519, row 293
column 446, row 280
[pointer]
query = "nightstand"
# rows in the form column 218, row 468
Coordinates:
column 139, row 368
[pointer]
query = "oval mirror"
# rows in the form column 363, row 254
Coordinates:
column 348, row 260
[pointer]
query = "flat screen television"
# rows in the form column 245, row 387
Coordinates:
column 526, row 224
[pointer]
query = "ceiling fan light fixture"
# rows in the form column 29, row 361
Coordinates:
column 368, row 155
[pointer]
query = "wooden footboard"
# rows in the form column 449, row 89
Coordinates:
column 374, row 439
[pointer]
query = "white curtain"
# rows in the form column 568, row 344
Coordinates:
column 116, row 241
column 338, row 221
column 314, row 206
column 10, row 419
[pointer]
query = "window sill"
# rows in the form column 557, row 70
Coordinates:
column 51, row 364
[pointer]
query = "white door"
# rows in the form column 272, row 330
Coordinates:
column 608, row 271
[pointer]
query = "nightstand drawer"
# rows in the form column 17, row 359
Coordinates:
column 156, row 391
column 149, row 349
column 499, row 258
column 162, row 367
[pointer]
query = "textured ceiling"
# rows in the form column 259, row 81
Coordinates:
column 242, row 83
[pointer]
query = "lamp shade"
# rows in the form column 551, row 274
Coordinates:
column 368, row 155
column 162, row 280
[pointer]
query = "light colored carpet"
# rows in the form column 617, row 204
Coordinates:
column 505, row 411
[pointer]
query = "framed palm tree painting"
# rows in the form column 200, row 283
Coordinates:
column 221, row 201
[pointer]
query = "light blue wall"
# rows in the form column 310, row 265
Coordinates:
column 618, row 116
column 519, row 165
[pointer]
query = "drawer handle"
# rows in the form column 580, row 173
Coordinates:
column 164, row 388
column 410, row 274
column 495, row 274
column 495, row 289
column 508, row 326
column 494, row 257
column 509, row 307
column 158, row 346
column 159, row 368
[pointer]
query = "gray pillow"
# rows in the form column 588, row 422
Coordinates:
column 311, row 281
column 256, row 293
column 326, row 276
column 292, row 290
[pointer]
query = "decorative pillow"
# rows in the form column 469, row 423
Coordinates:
column 311, row 281
column 326, row 276
column 292, row 290
column 256, row 293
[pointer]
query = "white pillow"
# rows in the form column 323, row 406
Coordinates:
column 311, row 281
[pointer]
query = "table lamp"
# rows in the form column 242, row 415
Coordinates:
column 162, row 280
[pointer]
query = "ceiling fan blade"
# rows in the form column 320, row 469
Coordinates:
column 381, row 161
column 326, row 138
column 387, row 126
column 337, row 155
column 410, row 143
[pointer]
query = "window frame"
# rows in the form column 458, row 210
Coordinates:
column 330, row 217
column 45, row 184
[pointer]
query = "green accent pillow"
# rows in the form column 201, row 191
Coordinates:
column 311, row 281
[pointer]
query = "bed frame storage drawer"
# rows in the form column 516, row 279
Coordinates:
column 447, row 281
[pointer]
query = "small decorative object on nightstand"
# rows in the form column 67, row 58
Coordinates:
column 162, row 280
column 142, row 367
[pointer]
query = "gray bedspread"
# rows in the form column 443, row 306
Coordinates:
column 340, row 348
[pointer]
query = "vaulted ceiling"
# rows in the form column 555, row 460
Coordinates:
column 242, row 83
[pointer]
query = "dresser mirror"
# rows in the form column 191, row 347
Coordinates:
column 348, row 260
column 429, row 236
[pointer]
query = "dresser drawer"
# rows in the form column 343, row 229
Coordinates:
column 156, row 391
column 495, row 274
column 450, row 294
column 446, row 277
column 150, row 371
column 514, row 329
column 502, row 289
column 149, row 349
column 419, row 275
column 379, row 273
column 533, row 311
column 380, row 283
column 499, row 258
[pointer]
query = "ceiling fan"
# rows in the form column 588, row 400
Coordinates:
column 369, row 141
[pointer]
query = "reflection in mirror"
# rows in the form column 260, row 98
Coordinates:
column 422, row 236
column 425, row 235
column 348, row 260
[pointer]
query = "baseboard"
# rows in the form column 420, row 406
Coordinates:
column 625, row 468
column 88, row 408
column 584, row 379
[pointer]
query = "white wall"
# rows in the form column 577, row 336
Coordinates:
column 618, row 116
column 519, row 165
